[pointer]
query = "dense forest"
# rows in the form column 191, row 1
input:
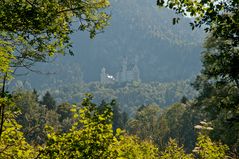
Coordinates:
column 171, row 112
column 130, row 96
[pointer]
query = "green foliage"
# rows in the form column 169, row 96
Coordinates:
column 145, row 123
column 128, row 96
column 130, row 147
column 205, row 148
column 31, row 116
column 184, row 100
column 222, row 14
column 5, row 57
column 30, row 31
column 218, row 87
column 64, row 111
column 91, row 141
column 158, row 125
column 91, row 136
column 173, row 115
column 48, row 101
column 65, row 116
column 219, row 80
column 13, row 144
column 173, row 151
column 221, row 17
column 119, row 119
column 220, row 60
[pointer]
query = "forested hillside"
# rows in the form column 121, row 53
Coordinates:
column 129, row 96
column 137, row 30
column 133, row 91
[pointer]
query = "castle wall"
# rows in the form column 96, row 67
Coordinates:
column 124, row 75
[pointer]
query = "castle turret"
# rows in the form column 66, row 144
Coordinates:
column 123, row 71
column 135, row 73
column 102, row 75
column 106, row 78
column 126, row 74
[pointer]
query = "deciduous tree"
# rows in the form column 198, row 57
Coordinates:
column 31, row 31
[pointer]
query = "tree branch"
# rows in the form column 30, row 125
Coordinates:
column 2, row 105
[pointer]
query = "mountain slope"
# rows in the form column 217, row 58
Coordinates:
column 140, row 31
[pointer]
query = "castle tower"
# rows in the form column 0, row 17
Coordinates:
column 135, row 73
column 106, row 78
column 126, row 74
column 103, row 75
column 123, row 71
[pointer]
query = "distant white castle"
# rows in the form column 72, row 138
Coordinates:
column 126, row 74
